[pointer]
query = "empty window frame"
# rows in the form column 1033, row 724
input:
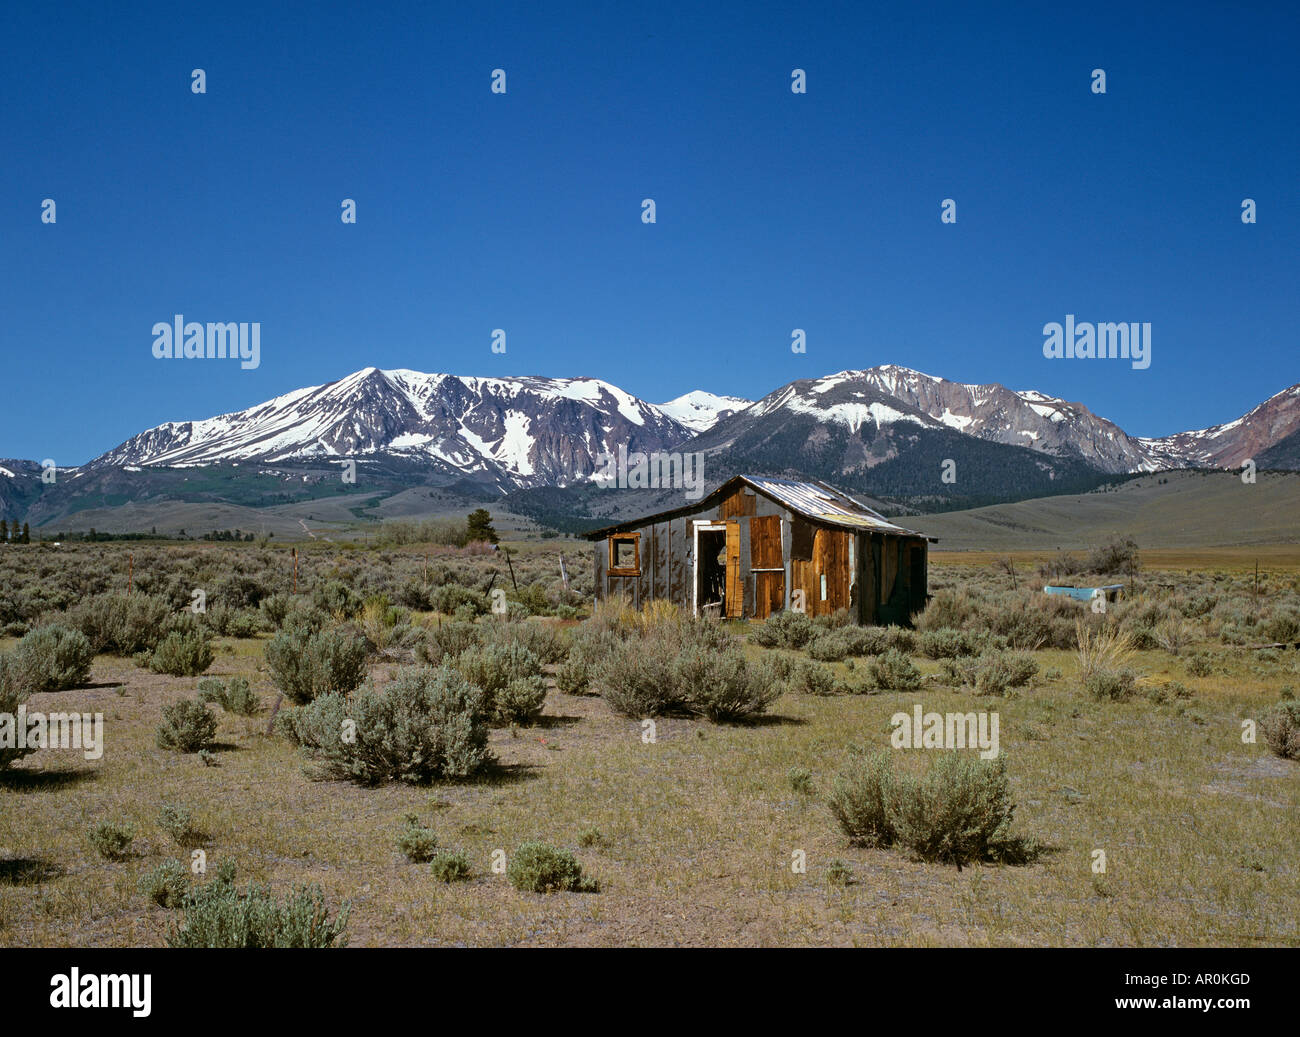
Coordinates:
column 625, row 554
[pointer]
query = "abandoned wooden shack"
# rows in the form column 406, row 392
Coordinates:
column 757, row 545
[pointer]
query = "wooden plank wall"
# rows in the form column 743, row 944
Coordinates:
column 759, row 537
column 831, row 557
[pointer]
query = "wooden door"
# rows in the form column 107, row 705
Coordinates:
column 766, row 565
column 735, row 602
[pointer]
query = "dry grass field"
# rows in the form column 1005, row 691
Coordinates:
column 693, row 837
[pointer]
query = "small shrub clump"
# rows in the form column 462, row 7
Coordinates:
column 448, row 641
column 53, row 658
column 958, row 812
column 1281, row 729
column 188, row 726
column 861, row 800
column 1111, row 685
column 538, row 868
column 13, row 693
column 416, row 842
column 122, row 624
column 217, row 914
column 510, row 675
column 894, row 671
column 449, row 866
column 998, row 672
column 424, row 724
column 166, row 885
column 234, row 695
column 305, row 665
column 785, row 629
column 574, row 676
column 179, row 823
column 112, row 840
column 182, row 653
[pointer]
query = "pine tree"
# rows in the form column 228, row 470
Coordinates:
column 27, row 534
column 479, row 527
column 4, row 530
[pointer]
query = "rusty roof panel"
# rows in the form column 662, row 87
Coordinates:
column 819, row 501
column 813, row 500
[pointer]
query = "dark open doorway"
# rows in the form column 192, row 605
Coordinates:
column 711, row 571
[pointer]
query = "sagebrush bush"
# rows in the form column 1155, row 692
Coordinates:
column 812, row 679
column 337, row 599
column 305, row 665
column 231, row 622
column 181, row 654
column 381, row 621
column 187, row 726
column 1111, row 685
column 831, row 646
column 122, row 624
column 573, row 676
column 958, row 812
column 13, row 693
column 511, row 678
column 424, row 724
column 416, row 842
column 167, row 884
column 448, row 641
column 953, row 644
column 112, row 840
column 785, row 629
column 724, row 686
column 640, row 682
column 217, row 914
column 947, row 609
column 275, row 608
column 1282, row 627
column 894, row 671
column 538, row 638
column 998, row 672
column 685, row 665
column 452, row 599
column 1281, row 729
column 234, row 695
column 538, row 868
column 449, row 866
column 52, row 658
column 861, row 798
column 178, row 822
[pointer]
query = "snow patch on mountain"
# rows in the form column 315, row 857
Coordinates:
column 699, row 411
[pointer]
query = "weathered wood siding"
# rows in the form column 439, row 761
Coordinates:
column 880, row 577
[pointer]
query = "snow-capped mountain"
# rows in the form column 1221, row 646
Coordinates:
column 517, row 432
column 889, row 424
column 990, row 411
column 1228, row 445
column 1027, row 418
column 699, row 411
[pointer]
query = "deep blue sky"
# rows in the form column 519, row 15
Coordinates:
column 522, row 211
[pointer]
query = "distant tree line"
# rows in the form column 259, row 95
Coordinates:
column 16, row 535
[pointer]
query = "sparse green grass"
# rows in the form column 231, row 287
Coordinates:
column 697, row 834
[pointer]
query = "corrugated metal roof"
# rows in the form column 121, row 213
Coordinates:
column 813, row 500
column 817, row 500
